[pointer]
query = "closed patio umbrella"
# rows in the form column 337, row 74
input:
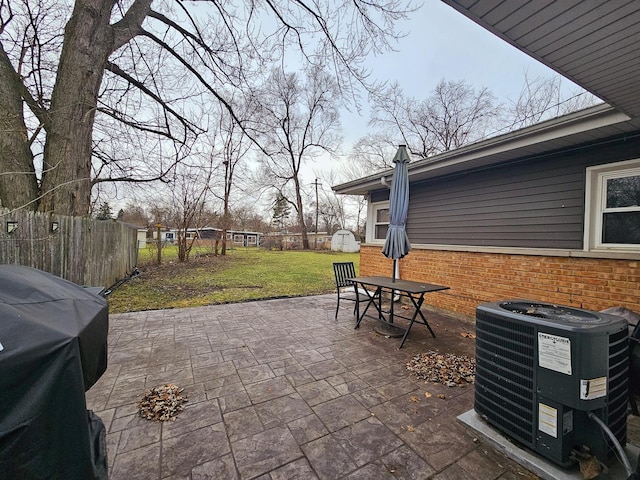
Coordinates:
column 397, row 244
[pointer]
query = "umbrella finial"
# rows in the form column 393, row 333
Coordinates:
column 402, row 155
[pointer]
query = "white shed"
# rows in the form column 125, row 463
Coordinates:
column 142, row 238
column 344, row 241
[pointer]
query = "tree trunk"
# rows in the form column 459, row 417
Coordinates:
column 18, row 184
column 226, row 221
column 303, row 226
column 88, row 41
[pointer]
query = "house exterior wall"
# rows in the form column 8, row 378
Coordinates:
column 516, row 230
column 527, row 203
column 477, row 277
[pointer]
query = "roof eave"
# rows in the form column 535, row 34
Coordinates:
column 492, row 150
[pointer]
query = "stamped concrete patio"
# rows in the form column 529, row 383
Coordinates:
column 280, row 390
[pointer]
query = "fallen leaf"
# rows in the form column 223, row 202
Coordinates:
column 162, row 403
column 468, row 335
column 413, row 398
column 443, row 368
column 440, row 395
column 427, row 394
column 410, row 428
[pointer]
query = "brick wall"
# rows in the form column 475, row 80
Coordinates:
column 474, row 278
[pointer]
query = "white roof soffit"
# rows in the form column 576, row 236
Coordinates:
column 570, row 130
column 595, row 43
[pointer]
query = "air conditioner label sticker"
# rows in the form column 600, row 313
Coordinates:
column 593, row 388
column 554, row 353
column 548, row 420
column 567, row 422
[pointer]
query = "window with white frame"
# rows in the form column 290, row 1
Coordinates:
column 378, row 221
column 613, row 206
column 239, row 239
column 252, row 239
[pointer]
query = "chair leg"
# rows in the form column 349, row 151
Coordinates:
column 337, row 307
column 356, row 309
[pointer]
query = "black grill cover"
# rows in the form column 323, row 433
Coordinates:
column 53, row 336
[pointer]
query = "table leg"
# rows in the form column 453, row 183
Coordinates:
column 417, row 305
column 371, row 301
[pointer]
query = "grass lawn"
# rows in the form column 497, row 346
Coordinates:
column 243, row 274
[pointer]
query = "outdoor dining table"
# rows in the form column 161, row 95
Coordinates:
column 414, row 291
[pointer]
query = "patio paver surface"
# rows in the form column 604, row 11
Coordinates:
column 279, row 390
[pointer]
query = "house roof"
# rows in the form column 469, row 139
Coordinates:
column 587, row 126
column 596, row 44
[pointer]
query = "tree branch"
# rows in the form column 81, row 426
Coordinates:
column 130, row 25
column 115, row 69
column 40, row 113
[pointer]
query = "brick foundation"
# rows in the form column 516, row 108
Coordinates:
column 474, row 278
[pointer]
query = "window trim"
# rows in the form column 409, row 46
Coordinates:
column 372, row 211
column 595, row 203
column 238, row 239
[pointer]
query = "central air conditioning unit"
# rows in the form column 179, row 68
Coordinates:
column 542, row 368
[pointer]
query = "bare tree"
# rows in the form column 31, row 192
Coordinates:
column 246, row 217
column 542, row 98
column 135, row 214
column 370, row 154
column 70, row 71
column 187, row 200
column 455, row 114
column 233, row 147
column 300, row 121
column 346, row 209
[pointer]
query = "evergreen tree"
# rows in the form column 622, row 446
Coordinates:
column 104, row 212
column 281, row 210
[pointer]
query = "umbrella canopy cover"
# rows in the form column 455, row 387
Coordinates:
column 397, row 243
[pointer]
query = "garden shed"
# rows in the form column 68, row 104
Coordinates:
column 344, row 241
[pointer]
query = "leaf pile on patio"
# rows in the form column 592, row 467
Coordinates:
column 446, row 368
column 162, row 403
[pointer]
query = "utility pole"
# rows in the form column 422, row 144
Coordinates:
column 159, row 230
column 315, row 238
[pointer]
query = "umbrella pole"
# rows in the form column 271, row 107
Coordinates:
column 393, row 293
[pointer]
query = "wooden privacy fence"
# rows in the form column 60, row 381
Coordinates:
column 80, row 249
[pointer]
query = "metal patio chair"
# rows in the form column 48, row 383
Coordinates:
column 347, row 290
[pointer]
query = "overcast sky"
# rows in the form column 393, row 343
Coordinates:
column 443, row 43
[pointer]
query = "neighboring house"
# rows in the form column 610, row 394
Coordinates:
column 243, row 239
column 293, row 241
column 169, row 235
column 550, row 212
column 237, row 238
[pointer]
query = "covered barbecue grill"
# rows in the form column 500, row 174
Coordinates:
column 53, row 348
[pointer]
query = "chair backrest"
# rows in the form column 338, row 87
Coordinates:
column 342, row 271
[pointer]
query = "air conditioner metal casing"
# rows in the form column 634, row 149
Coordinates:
column 538, row 378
